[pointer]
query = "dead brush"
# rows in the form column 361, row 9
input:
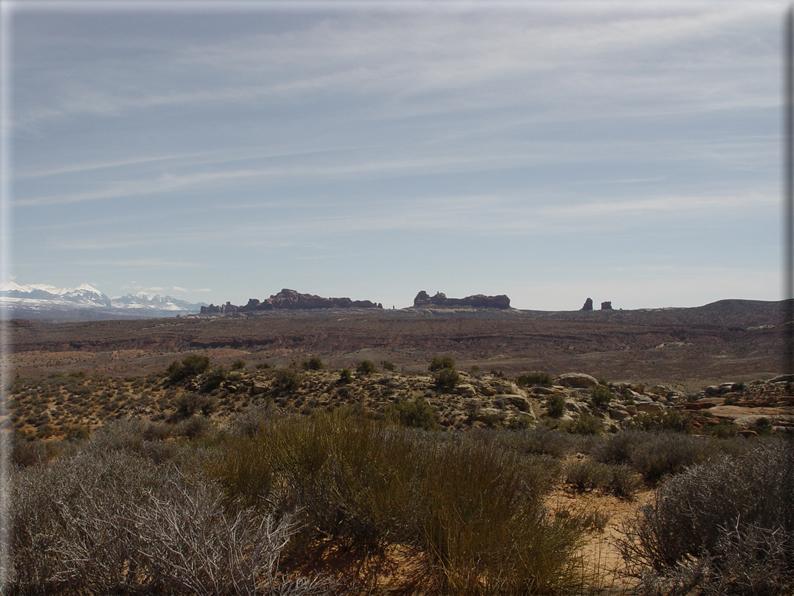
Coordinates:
column 722, row 527
column 116, row 523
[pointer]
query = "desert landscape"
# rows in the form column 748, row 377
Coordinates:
column 589, row 422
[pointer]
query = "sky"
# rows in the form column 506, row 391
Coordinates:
column 623, row 151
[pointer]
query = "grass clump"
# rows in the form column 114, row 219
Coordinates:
column 474, row 509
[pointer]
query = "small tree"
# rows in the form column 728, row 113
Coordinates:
column 213, row 379
column 345, row 376
column 195, row 364
column 601, row 396
column 313, row 364
column 192, row 365
column 366, row 367
column 446, row 379
column 287, row 380
column 555, row 405
column 442, row 362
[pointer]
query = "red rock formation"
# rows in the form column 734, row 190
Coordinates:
column 478, row 301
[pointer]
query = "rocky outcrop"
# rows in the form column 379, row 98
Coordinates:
column 423, row 299
column 578, row 380
column 606, row 305
column 290, row 300
column 220, row 309
column 588, row 304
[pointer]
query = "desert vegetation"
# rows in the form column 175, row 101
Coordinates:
column 302, row 479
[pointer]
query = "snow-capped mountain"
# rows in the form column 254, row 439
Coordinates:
column 154, row 301
column 44, row 302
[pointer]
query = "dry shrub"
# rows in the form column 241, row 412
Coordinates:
column 725, row 527
column 621, row 481
column 587, row 475
column 117, row 523
column 658, row 454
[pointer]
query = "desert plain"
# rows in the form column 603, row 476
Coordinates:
column 713, row 370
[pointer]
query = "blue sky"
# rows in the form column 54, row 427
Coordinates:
column 626, row 151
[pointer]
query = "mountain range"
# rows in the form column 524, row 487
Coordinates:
column 86, row 303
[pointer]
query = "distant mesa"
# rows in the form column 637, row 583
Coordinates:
column 289, row 300
column 588, row 304
column 423, row 299
column 606, row 305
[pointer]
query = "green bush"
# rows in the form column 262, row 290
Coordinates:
column 238, row 364
column 555, row 405
column 212, row 379
column 586, row 425
column 442, row 363
column 446, row 379
column 601, row 396
column 313, row 364
column 483, row 524
column 77, row 432
column 345, row 376
column 195, row 364
column 189, row 404
column 668, row 420
column 366, row 367
column 286, row 380
column 724, row 430
column 534, row 379
column 386, row 365
column 416, row 413
column 191, row 366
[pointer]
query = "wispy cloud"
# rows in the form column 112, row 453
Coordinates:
column 426, row 63
column 134, row 263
